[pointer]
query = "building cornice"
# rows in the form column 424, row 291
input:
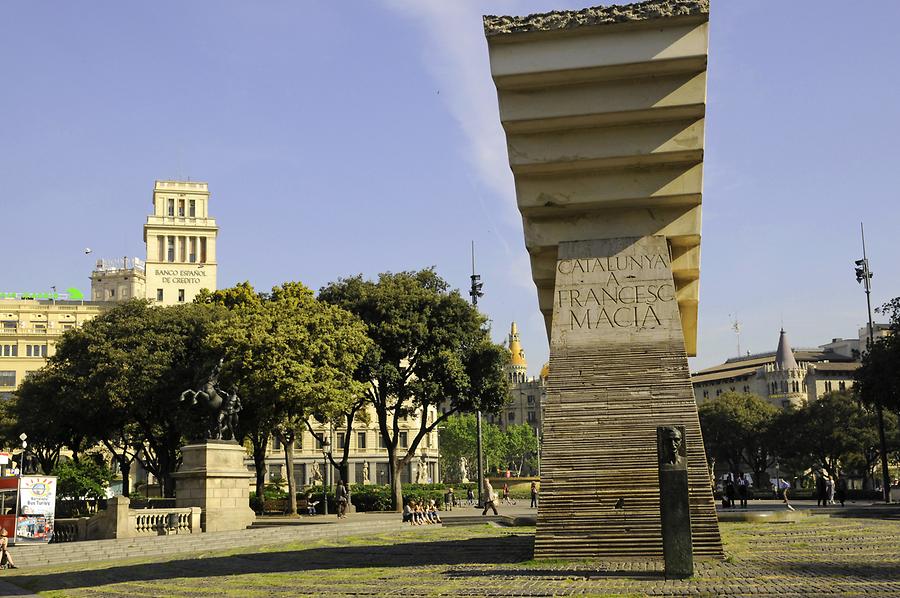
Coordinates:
column 598, row 15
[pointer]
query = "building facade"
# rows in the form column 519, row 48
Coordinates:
column 367, row 456
column 785, row 377
column 29, row 330
column 525, row 402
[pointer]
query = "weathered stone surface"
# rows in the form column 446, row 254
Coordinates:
column 599, row 15
column 213, row 477
column 618, row 370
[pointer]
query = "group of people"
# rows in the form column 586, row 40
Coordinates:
column 735, row 490
column 415, row 513
column 829, row 490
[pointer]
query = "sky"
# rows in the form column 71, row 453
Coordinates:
column 353, row 137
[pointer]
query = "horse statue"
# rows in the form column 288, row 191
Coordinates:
column 222, row 407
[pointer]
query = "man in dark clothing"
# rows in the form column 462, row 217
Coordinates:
column 534, row 495
column 841, row 493
column 729, row 491
column 343, row 498
column 821, row 497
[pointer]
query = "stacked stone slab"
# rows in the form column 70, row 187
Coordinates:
column 604, row 117
column 604, row 113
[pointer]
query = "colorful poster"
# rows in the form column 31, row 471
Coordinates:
column 37, row 507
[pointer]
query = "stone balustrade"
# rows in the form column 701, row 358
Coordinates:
column 119, row 521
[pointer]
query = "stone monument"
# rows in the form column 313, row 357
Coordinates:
column 603, row 111
column 212, row 475
column 674, row 502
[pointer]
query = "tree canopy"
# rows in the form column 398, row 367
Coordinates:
column 431, row 355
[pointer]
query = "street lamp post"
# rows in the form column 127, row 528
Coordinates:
column 475, row 292
column 24, row 438
column 864, row 276
column 326, row 452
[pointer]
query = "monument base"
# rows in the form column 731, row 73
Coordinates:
column 618, row 370
column 213, row 477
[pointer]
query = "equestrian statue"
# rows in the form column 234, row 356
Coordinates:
column 221, row 407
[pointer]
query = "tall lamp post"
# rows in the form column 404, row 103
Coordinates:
column 326, row 453
column 864, row 276
column 24, row 438
column 475, row 293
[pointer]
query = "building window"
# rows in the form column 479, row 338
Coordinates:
column 532, row 417
column 705, row 394
column 360, row 440
column 276, row 443
column 159, row 294
column 171, row 248
column 842, row 385
column 318, row 442
column 192, row 208
column 404, row 440
column 181, row 295
column 828, row 386
column 171, row 207
column 746, row 388
column 10, row 350
column 275, row 473
column 181, row 208
column 110, row 293
column 10, row 324
column 718, row 391
column 530, row 400
column 511, row 416
column 785, row 404
column 341, row 440
column 7, row 378
column 193, row 251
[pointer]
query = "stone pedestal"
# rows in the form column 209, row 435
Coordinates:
column 213, row 477
column 618, row 370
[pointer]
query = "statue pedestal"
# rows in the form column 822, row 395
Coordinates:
column 213, row 477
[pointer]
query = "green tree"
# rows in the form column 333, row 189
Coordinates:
column 458, row 438
column 86, row 479
column 878, row 378
column 737, row 430
column 521, row 444
column 831, row 430
column 431, row 355
column 131, row 365
column 290, row 357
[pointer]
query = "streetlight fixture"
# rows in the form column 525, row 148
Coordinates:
column 864, row 277
column 326, row 453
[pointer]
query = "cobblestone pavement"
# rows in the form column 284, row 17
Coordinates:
column 814, row 557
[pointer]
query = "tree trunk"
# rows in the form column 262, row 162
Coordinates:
column 125, row 467
column 396, row 485
column 287, row 439
column 259, row 463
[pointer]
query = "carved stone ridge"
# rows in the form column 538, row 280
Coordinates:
column 598, row 15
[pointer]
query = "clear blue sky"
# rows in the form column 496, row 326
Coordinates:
column 348, row 137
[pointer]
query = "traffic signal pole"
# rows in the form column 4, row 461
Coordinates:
column 475, row 293
column 864, row 276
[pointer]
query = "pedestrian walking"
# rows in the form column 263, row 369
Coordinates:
column 343, row 498
column 829, row 489
column 729, row 492
column 490, row 498
column 841, row 492
column 449, row 499
column 534, row 495
column 821, row 497
column 785, row 486
column 470, row 496
column 743, row 488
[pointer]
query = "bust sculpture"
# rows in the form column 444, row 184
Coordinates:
column 671, row 450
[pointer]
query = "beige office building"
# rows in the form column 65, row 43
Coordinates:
column 181, row 243
column 29, row 330
column 525, row 402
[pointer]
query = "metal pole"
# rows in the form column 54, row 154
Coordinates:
column 475, row 293
column 879, row 412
